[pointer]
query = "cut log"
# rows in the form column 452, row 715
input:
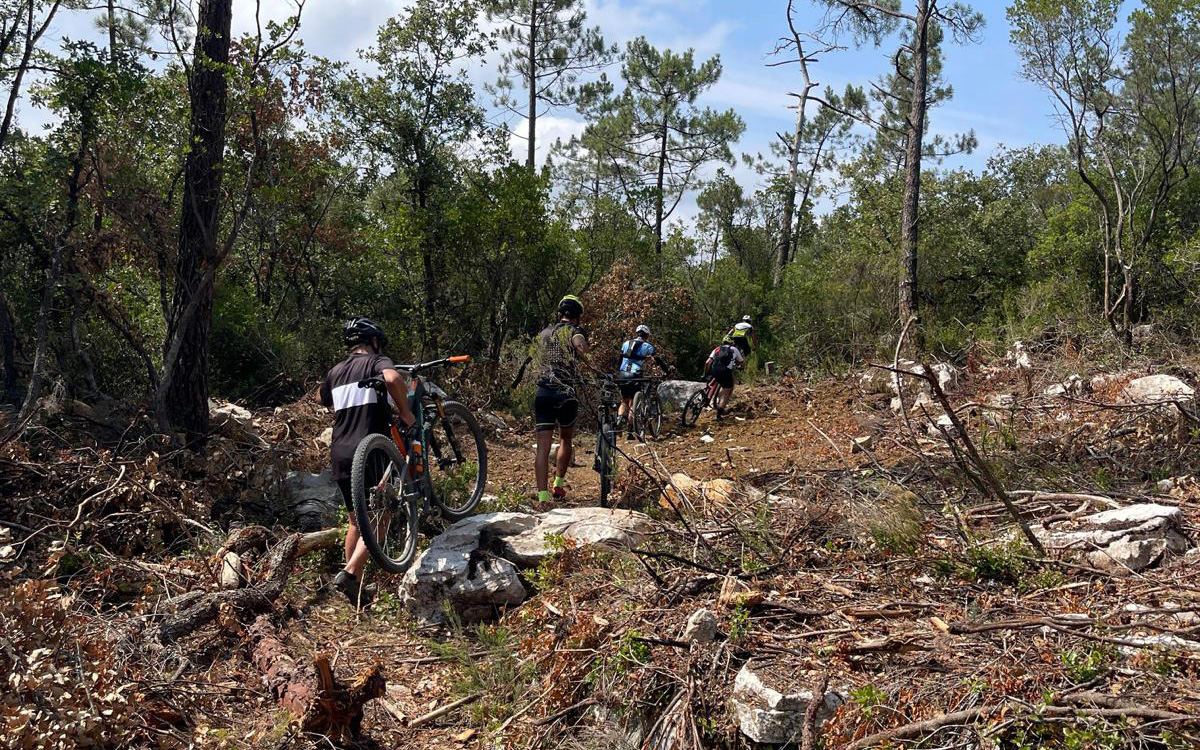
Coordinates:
column 311, row 692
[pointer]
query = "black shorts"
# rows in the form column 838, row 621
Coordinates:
column 552, row 408
column 743, row 345
column 347, row 497
column 628, row 390
column 724, row 378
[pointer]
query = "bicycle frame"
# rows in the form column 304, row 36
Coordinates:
column 422, row 394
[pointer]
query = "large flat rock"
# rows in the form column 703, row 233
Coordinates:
column 775, row 716
column 474, row 566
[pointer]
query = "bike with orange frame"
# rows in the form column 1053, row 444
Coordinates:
column 398, row 479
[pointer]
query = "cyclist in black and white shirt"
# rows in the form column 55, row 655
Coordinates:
column 357, row 412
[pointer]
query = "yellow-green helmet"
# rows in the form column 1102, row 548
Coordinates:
column 570, row 306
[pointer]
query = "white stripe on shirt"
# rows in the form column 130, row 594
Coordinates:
column 350, row 395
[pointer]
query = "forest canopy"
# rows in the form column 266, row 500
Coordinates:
column 206, row 208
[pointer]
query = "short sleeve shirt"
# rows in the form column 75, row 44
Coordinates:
column 357, row 412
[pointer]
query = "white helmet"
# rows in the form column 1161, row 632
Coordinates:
column 643, row 328
column 745, row 318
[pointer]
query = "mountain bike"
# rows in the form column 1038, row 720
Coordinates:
column 698, row 402
column 647, row 408
column 605, row 463
column 397, row 480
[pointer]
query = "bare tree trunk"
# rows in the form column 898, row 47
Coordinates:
column 784, row 249
column 112, row 34
column 182, row 399
column 909, row 216
column 533, row 97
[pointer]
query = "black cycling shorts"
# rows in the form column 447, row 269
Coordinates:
column 553, row 408
column 743, row 345
column 724, row 378
column 628, row 390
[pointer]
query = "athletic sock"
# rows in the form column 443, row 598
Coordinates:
column 543, row 496
column 560, row 482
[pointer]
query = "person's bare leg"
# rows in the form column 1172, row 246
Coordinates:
column 351, row 541
column 566, row 451
column 723, row 397
column 541, row 461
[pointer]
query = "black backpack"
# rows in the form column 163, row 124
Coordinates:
column 724, row 358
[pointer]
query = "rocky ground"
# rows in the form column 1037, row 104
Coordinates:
column 842, row 563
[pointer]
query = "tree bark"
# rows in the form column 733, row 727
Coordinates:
column 182, row 400
column 310, row 692
column 909, row 218
column 659, row 197
column 784, row 247
column 531, row 160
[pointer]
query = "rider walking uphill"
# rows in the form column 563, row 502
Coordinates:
column 744, row 337
column 561, row 348
column 721, row 363
column 634, row 353
column 358, row 412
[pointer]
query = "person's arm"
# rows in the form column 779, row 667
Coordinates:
column 398, row 390
column 708, row 365
column 324, row 394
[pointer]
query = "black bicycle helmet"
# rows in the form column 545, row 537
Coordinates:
column 362, row 331
column 570, row 307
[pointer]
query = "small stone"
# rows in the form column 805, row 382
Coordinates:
column 325, row 439
column 701, row 627
column 706, row 439
column 862, row 444
column 231, row 570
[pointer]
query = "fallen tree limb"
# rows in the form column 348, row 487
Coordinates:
column 440, row 712
column 199, row 611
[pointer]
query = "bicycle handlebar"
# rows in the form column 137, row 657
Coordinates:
column 458, row 359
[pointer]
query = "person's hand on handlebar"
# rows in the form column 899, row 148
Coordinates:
column 398, row 390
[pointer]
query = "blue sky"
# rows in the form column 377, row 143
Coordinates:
column 990, row 96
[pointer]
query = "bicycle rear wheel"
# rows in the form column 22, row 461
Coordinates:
column 693, row 407
column 385, row 505
column 637, row 415
column 652, row 419
column 457, row 461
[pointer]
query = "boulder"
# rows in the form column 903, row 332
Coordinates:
column 947, row 376
column 474, row 566
column 1128, row 554
column 463, row 570
column 1129, row 538
column 1156, row 389
column 1142, row 334
column 875, row 381
column 229, row 415
column 701, row 627
column 675, row 393
column 313, row 499
column 1071, row 386
column 494, row 421
column 585, row 527
column 767, row 715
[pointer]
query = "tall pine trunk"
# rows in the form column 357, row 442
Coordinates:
column 909, row 216
column 659, row 197
column 533, row 97
column 182, row 399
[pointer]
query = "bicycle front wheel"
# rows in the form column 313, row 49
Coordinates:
column 385, row 506
column 457, row 461
column 693, row 407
